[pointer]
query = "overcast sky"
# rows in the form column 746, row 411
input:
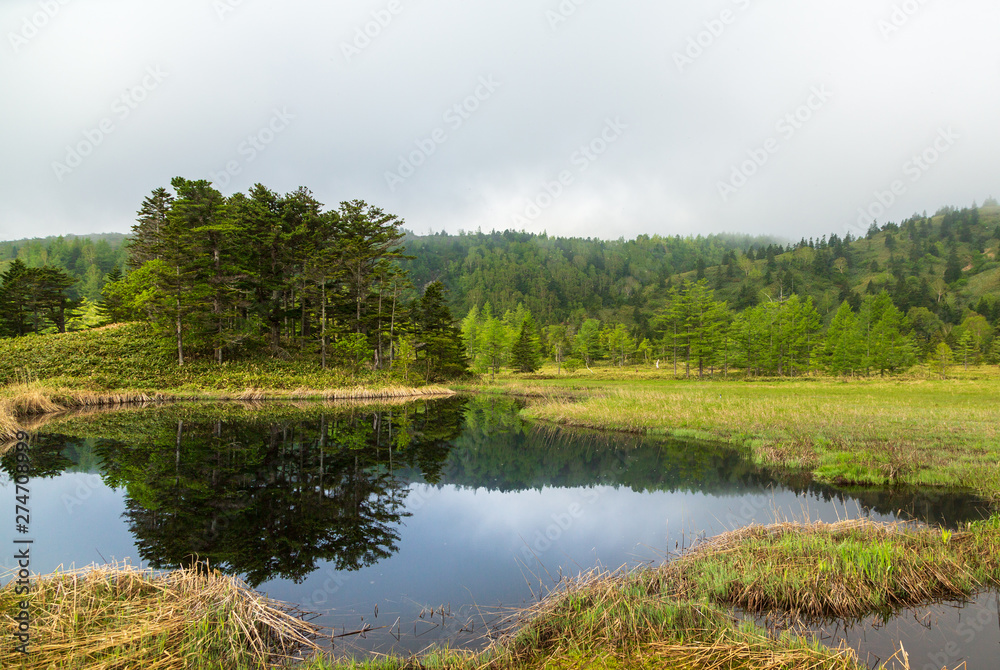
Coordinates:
column 579, row 117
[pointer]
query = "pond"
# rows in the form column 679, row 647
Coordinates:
column 421, row 522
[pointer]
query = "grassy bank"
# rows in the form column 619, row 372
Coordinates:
column 120, row 617
column 21, row 405
column 129, row 357
column 912, row 431
column 127, row 365
column 846, row 570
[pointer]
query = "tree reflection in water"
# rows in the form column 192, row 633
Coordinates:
column 266, row 500
column 274, row 491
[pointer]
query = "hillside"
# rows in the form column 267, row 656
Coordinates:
column 946, row 263
column 86, row 258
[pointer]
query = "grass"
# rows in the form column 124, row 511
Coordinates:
column 845, row 570
column 119, row 617
column 126, row 364
column 912, row 431
column 20, row 403
column 130, row 357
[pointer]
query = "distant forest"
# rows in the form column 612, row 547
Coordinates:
column 921, row 289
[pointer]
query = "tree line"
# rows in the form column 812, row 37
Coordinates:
column 698, row 335
column 278, row 274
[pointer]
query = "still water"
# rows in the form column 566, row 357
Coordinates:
column 422, row 522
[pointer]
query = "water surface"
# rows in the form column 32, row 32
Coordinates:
column 421, row 521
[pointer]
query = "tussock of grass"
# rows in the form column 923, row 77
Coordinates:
column 849, row 569
column 618, row 616
column 118, row 617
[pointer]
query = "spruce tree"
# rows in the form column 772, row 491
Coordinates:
column 525, row 355
column 441, row 350
column 953, row 269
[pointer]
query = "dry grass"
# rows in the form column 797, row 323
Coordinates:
column 118, row 617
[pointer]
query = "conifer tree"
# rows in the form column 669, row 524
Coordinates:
column 525, row 353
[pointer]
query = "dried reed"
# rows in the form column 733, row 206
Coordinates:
column 116, row 617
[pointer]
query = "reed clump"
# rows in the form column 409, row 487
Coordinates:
column 118, row 616
column 616, row 620
column 849, row 569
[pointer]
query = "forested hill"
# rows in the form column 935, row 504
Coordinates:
column 562, row 278
column 86, row 258
column 946, row 263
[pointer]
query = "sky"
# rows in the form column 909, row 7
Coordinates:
column 588, row 118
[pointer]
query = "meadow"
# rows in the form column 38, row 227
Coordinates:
column 915, row 430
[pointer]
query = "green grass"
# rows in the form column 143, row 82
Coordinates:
column 912, row 431
column 130, row 356
column 845, row 570
column 126, row 364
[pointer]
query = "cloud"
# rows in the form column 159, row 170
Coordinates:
column 368, row 84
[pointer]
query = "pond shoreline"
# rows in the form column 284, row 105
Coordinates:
column 679, row 614
column 580, row 626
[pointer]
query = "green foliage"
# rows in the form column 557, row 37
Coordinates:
column 942, row 359
column 34, row 299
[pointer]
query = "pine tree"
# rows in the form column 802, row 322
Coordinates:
column 148, row 238
column 13, row 297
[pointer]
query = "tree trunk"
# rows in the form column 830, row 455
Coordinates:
column 180, row 341
column 322, row 328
